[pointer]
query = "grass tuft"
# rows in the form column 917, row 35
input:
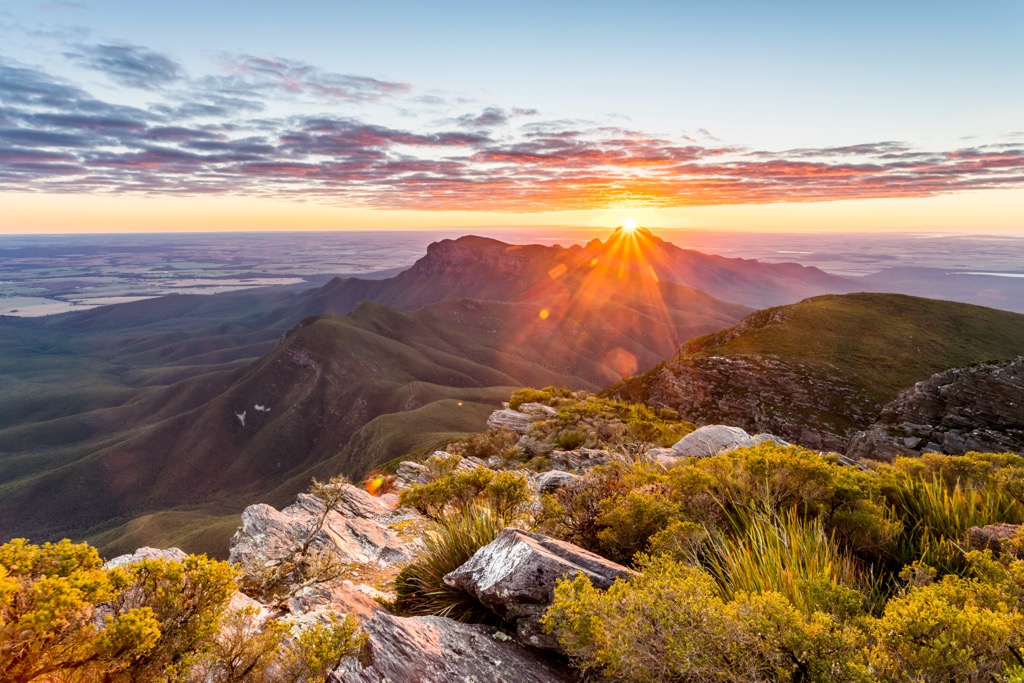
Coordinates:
column 420, row 586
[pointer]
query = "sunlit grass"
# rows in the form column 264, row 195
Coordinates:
column 783, row 553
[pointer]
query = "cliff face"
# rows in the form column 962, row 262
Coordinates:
column 764, row 394
column 977, row 408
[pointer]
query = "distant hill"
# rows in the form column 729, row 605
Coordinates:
column 819, row 370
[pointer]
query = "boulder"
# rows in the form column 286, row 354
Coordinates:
column 579, row 459
column 511, row 419
column 515, row 575
column 410, row 473
column 469, row 463
column 549, row 482
column 538, row 409
column 356, row 531
column 146, row 553
column 990, row 537
column 338, row 597
column 663, row 457
column 758, row 439
column 440, row 650
column 710, row 440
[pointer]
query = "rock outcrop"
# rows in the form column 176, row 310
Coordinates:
column 991, row 537
column 763, row 394
column 515, row 575
column 580, row 459
column 439, row 650
column 975, row 408
column 356, row 531
column 515, row 420
column 552, row 480
column 146, row 553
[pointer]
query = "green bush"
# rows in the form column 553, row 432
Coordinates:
column 547, row 396
column 953, row 630
column 778, row 564
column 670, row 624
column 584, row 418
column 507, row 493
column 570, row 440
column 65, row 618
column 498, row 442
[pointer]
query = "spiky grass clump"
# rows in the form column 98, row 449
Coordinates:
column 950, row 510
column 937, row 515
column 782, row 553
column 420, row 587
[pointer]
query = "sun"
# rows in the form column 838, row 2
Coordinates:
column 628, row 225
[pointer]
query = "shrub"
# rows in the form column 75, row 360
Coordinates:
column 547, row 396
column 498, row 442
column 670, row 624
column 507, row 493
column 956, row 629
column 420, row 588
column 188, row 600
column 570, row 440
column 627, row 522
column 572, row 512
column 320, row 648
column 442, row 465
column 49, row 619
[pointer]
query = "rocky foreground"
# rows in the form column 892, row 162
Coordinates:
column 366, row 539
column 370, row 537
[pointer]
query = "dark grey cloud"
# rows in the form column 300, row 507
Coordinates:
column 27, row 86
column 130, row 65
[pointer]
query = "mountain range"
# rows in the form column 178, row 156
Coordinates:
column 156, row 422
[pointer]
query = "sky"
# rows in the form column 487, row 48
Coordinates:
column 784, row 116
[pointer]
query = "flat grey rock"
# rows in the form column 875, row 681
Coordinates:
column 440, row 650
column 710, row 440
column 515, row 575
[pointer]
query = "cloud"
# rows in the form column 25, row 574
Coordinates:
column 212, row 135
column 130, row 65
column 247, row 75
column 488, row 118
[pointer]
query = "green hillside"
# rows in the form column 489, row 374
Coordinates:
column 816, row 370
